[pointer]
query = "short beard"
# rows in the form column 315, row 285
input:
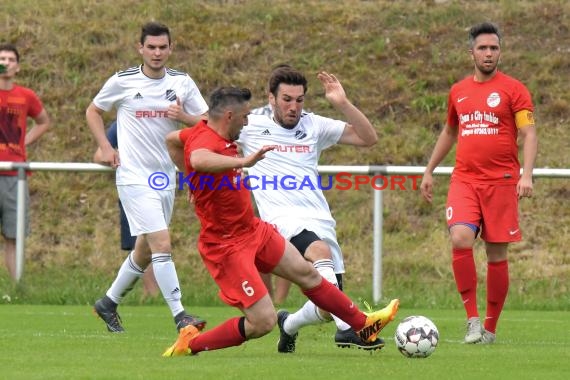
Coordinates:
column 283, row 125
column 287, row 126
column 486, row 71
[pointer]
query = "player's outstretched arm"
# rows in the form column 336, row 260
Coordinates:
column 359, row 130
column 253, row 158
column 206, row 161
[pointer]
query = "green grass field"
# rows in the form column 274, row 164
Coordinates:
column 56, row 342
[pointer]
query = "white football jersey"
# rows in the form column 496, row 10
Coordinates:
column 286, row 183
column 142, row 122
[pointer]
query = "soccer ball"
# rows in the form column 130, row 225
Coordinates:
column 416, row 337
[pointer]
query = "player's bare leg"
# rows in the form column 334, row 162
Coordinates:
column 281, row 290
column 10, row 256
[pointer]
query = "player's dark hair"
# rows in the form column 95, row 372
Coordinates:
column 287, row 75
column 223, row 98
column 154, row 29
column 483, row 28
column 12, row 48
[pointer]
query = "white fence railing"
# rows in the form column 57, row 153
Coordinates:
column 371, row 170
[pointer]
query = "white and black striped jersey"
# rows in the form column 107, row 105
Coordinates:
column 142, row 123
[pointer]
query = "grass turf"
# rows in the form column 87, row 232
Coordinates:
column 49, row 342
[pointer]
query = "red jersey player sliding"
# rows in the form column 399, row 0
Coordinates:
column 486, row 113
column 236, row 246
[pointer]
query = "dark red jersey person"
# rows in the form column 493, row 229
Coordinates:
column 17, row 104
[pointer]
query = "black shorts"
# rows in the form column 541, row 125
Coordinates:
column 302, row 240
column 127, row 241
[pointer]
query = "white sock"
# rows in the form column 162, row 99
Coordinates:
column 326, row 269
column 309, row 314
column 129, row 273
column 305, row 316
column 167, row 280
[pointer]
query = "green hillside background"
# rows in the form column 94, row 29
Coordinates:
column 396, row 60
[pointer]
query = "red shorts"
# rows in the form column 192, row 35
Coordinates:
column 493, row 209
column 235, row 265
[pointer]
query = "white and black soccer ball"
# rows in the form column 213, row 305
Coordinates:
column 416, row 337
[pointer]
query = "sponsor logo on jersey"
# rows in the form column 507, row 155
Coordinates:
column 138, row 96
column 266, row 133
column 141, row 114
column 292, row 148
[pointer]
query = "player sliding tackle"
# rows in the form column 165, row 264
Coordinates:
column 236, row 246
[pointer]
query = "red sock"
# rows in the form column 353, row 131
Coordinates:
column 497, row 289
column 224, row 335
column 328, row 297
column 465, row 274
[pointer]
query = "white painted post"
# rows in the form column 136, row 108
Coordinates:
column 377, row 264
column 20, row 222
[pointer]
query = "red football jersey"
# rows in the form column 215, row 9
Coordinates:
column 221, row 201
column 16, row 105
column 485, row 112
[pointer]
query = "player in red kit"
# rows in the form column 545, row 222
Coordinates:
column 236, row 246
column 487, row 112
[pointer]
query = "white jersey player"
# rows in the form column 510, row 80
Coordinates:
column 151, row 100
column 302, row 215
column 142, row 117
column 286, row 185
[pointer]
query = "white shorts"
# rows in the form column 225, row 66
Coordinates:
column 147, row 210
column 289, row 227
